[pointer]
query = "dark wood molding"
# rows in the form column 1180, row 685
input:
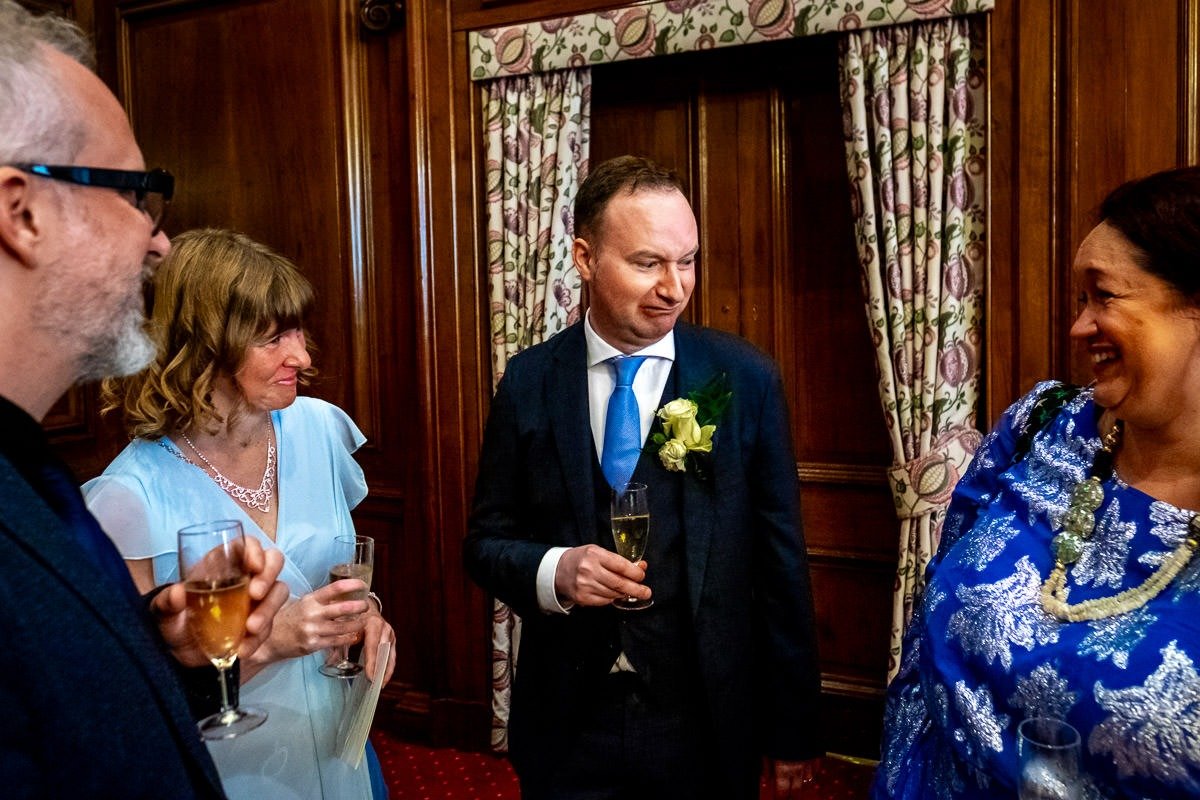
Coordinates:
column 1024, row 111
column 453, row 352
column 1189, row 85
column 472, row 15
column 863, row 475
column 361, row 234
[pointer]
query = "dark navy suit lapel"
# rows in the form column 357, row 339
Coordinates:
column 695, row 367
column 571, row 425
column 39, row 530
column 35, row 527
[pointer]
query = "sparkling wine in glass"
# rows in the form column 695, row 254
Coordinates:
column 218, row 602
column 355, row 559
column 630, row 513
column 1048, row 751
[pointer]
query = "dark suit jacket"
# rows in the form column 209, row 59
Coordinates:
column 91, row 704
column 746, row 571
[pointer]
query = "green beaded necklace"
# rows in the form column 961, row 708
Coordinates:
column 1077, row 526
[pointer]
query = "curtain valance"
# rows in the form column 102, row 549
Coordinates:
column 681, row 26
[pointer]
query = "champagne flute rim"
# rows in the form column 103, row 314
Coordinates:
column 1060, row 725
column 209, row 528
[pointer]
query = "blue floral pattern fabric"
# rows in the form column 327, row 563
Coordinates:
column 982, row 654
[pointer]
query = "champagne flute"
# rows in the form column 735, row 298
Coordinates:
column 356, row 559
column 1048, row 752
column 630, row 513
column 218, row 602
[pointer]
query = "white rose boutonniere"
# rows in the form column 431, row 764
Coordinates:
column 688, row 426
column 673, row 454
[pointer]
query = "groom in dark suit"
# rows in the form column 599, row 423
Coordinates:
column 686, row 698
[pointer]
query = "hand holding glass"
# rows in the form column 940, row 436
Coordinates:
column 355, row 559
column 630, row 513
column 218, row 602
column 1048, row 750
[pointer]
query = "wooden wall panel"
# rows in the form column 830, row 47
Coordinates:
column 1021, row 333
column 843, row 511
column 265, row 162
column 664, row 134
column 734, row 208
column 455, row 363
column 829, row 356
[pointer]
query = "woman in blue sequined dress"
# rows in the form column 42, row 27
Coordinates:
column 1053, row 595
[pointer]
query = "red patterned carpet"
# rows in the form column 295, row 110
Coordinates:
column 415, row 772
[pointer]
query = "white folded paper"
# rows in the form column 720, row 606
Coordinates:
column 355, row 724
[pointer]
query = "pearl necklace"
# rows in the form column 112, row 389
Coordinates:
column 259, row 498
column 1077, row 526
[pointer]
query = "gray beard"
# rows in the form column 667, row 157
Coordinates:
column 124, row 351
column 109, row 345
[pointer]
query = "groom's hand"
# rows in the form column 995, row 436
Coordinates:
column 593, row 576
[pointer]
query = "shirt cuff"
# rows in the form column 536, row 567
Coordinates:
column 546, row 596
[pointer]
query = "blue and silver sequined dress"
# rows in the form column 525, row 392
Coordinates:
column 982, row 655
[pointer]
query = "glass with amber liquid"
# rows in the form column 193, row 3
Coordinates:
column 218, row 602
column 630, row 512
column 356, row 559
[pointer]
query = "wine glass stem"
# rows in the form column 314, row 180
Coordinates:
column 226, row 707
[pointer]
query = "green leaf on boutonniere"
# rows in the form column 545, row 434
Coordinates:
column 712, row 399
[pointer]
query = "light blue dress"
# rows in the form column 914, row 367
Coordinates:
column 982, row 654
column 148, row 493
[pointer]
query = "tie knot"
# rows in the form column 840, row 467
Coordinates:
column 627, row 367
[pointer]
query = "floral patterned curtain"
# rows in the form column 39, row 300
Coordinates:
column 650, row 28
column 536, row 135
column 915, row 127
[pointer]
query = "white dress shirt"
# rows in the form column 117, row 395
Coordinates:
column 648, row 387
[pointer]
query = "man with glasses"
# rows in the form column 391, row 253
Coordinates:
column 93, row 694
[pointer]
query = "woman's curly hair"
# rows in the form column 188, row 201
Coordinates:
column 215, row 294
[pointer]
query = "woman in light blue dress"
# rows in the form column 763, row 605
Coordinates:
column 1067, row 582
column 219, row 433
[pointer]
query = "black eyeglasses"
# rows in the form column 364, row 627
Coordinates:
column 149, row 192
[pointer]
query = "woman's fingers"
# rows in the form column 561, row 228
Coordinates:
column 342, row 598
column 377, row 630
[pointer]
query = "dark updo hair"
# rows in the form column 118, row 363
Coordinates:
column 621, row 174
column 1160, row 216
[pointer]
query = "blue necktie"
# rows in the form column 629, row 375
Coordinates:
column 622, row 426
